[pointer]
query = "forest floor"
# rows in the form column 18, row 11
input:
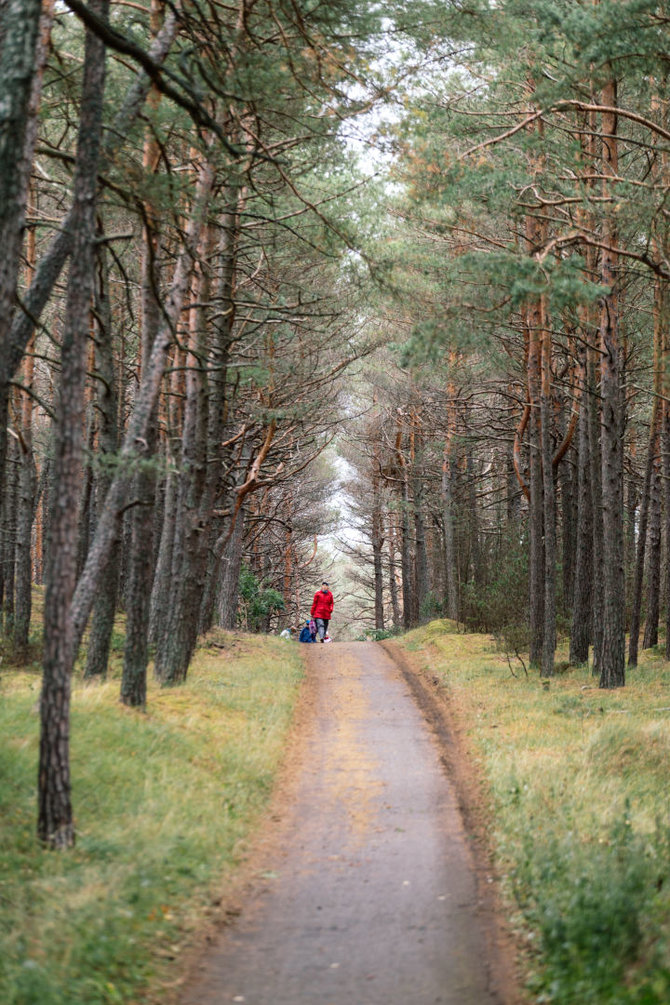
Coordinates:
column 366, row 887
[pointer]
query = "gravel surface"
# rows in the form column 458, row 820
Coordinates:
column 370, row 896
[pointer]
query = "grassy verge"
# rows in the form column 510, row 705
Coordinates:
column 163, row 802
column 579, row 781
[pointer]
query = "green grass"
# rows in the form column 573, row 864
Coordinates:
column 578, row 780
column 163, row 802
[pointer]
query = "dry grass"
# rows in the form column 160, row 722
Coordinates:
column 579, row 780
column 164, row 801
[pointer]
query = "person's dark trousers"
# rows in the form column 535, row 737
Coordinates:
column 322, row 627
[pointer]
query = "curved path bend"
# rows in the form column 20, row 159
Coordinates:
column 371, row 897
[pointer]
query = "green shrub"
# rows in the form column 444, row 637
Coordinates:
column 593, row 904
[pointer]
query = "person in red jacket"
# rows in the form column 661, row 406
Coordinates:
column 322, row 609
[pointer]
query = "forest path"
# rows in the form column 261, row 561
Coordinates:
column 369, row 896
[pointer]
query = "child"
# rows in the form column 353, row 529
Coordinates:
column 305, row 634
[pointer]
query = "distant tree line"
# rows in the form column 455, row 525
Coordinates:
column 517, row 474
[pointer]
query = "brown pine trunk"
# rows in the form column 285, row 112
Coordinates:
column 377, row 542
column 636, row 607
column 231, row 564
column 102, row 622
column 549, row 499
column 55, row 824
column 580, row 633
column 665, row 446
column 8, row 525
column 20, row 29
column 418, row 495
column 448, row 520
column 392, row 571
column 613, row 667
column 536, row 503
column 141, row 416
column 654, row 563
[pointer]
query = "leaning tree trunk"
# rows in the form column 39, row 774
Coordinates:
column 107, row 528
column 102, row 622
column 141, row 564
column 55, row 824
column 20, row 326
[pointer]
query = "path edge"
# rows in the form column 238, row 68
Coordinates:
column 505, row 971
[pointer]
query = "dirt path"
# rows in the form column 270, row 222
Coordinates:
column 370, row 896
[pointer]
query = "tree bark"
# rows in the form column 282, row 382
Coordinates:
column 20, row 324
column 102, row 623
column 377, row 540
column 549, row 498
column 654, row 562
column 636, row 607
column 231, row 565
column 536, row 505
column 613, row 668
column 580, row 634
column 138, row 425
column 55, row 824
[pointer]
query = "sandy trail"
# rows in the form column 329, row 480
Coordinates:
column 370, row 897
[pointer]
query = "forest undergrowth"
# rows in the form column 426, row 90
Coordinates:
column 165, row 800
column 578, row 779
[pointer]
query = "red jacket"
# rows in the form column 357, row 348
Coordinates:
column 322, row 605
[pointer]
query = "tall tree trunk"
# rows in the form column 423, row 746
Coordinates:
column 8, row 526
column 654, row 563
column 580, row 634
column 549, row 498
column 393, row 584
column 595, row 454
column 55, row 824
column 665, row 446
column 176, row 645
column 636, row 607
column 231, row 565
column 418, row 494
column 141, row 567
column 18, row 43
column 141, row 416
column 536, row 505
column 102, row 622
column 21, row 326
column 613, row 669
column 160, row 591
column 27, row 485
column 377, row 541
